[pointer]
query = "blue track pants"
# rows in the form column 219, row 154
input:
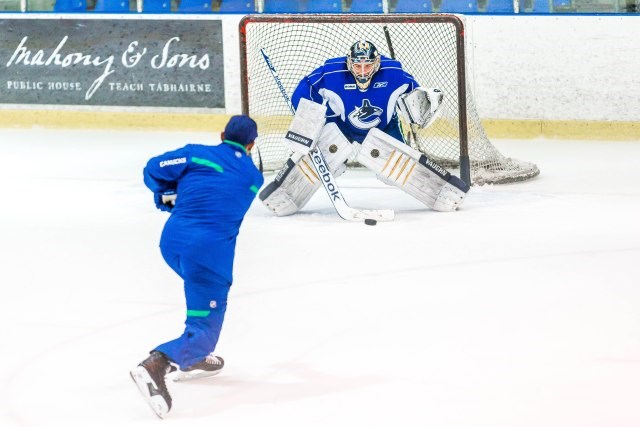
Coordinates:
column 206, row 294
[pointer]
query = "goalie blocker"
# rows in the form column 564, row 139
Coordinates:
column 414, row 173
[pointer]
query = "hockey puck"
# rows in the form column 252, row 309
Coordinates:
column 370, row 221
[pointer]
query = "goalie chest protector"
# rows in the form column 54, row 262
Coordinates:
column 356, row 112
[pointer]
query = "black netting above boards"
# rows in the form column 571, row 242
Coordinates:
column 430, row 47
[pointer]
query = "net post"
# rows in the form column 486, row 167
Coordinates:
column 244, row 78
column 465, row 169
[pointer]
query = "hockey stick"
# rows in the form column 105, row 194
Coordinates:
column 260, row 165
column 322, row 170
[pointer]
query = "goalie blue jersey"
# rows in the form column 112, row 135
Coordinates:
column 356, row 112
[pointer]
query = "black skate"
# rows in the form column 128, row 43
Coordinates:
column 149, row 377
column 210, row 366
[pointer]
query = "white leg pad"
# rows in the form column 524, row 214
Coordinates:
column 400, row 165
column 297, row 181
column 306, row 127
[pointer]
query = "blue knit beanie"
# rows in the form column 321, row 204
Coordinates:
column 241, row 129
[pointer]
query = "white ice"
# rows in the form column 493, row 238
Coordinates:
column 520, row 310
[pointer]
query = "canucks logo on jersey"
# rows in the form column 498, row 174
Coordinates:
column 366, row 116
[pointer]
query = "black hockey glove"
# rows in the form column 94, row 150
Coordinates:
column 165, row 200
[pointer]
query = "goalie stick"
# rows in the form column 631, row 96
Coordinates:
column 260, row 165
column 345, row 211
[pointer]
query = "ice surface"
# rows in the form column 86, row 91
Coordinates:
column 522, row 309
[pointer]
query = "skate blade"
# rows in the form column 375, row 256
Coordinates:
column 180, row 376
column 141, row 377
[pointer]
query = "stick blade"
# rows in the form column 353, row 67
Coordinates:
column 360, row 215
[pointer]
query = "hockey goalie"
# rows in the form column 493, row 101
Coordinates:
column 355, row 99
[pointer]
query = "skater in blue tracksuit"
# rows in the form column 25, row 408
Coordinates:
column 208, row 190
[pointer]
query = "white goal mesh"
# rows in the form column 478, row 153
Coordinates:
column 430, row 47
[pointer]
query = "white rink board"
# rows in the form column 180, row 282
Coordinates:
column 535, row 67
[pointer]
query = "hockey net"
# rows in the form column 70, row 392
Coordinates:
column 430, row 47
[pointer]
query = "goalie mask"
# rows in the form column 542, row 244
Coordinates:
column 363, row 61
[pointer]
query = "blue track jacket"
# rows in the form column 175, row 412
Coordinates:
column 215, row 186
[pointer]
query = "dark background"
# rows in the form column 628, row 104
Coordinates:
column 100, row 38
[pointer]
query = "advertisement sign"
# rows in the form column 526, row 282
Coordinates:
column 112, row 62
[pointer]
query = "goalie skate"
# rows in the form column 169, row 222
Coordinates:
column 210, row 366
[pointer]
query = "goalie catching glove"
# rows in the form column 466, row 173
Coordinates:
column 421, row 106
